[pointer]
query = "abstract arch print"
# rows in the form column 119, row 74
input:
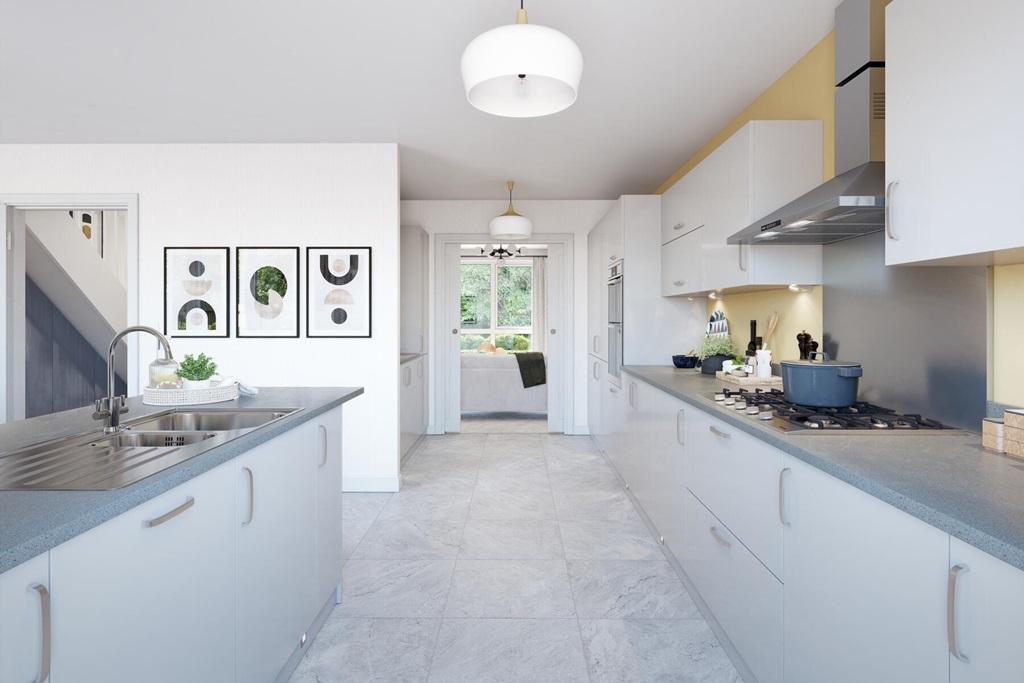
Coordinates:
column 196, row 291
column 339, row 295
column 267, row 291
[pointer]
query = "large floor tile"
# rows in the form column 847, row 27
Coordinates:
column 446, row 480
column 363, row 505
column 411, row 539
column 395, row 588
column 430, row 503
column 503, row 650
column 619, row 589
column 583, row 503
column 626, row 651
column 352, row 532
column 604, row 540
column 512, row 502
column 589, row 478
column 561, row 443
column 383, row 650
column 510, row 588
column 512, row 423
column 506, row 445
column 511, row 540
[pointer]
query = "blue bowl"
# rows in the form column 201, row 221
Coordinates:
column 685, row 362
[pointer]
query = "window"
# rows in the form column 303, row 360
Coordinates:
column 496, row 305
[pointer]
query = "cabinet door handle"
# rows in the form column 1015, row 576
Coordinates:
column 888, row 209
column 679, row 283
column 44, row 631
column 782, row 495
column 170, row 514
column 612, row 257
column 716, row 534
column 613, row 390
column 739, row 257
column 596, row 369
column 632, row 395
column 680, row 415
column 678, row 226
column 323, row 444
column 597, row 343
column 252, row 496
column 419, row 368
column 719, row 433
column 951, row 635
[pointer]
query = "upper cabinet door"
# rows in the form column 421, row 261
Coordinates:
column 597, row 294
column 954, row 140
column 681, row 265
column 987, row 610
column 683, row 205
column 865, row 585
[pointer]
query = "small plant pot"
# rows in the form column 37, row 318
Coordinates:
column 713, row 364
column 195, row 383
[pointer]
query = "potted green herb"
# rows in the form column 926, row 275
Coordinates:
column 195, row 371
column 713, row 351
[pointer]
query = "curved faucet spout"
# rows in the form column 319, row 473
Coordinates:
column 111, row 407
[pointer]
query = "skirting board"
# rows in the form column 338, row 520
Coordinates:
column 369, row 484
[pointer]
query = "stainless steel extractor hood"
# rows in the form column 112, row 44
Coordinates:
column 852, row 203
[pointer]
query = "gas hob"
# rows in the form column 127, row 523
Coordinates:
column 770, row 406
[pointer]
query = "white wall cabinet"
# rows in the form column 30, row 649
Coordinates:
column 681, row 264
column 953, row 140
column 988, row 617
column 597, row 370
column 415, row 269
column 683, row 206
column 597, row 291
column 277, row 568
column 762, row 166
column 328, row 504
column 24, row 612
column 865, row 586
column 148, row 596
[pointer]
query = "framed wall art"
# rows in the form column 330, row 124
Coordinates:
column 267, row 291
column 196, row 291
column 339, row 286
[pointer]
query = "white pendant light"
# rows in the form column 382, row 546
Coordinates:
column 511, row 226
column 522, row 70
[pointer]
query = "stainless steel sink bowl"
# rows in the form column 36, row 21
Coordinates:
column 208, row 420
column 134, row 439
column 99, row 462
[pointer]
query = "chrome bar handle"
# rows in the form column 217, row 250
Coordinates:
column 678, row 226
column 322, row 431
column 739, row 257
column 718, row 536
column 613, row 390
column 951, row 635
column 252, row 496
column 169, row 515
column 782, row 496
column 719, row 433
column 632, row 394
column 597, row 374
column 680, row 415
column 45, row 631
column 888, row 209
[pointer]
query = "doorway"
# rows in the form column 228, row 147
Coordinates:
column 69, row 284
column 503, row 361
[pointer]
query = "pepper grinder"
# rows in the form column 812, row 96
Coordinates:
column 803, row 343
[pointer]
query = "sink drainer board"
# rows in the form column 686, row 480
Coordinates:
column 185, row 397
column 101, row 462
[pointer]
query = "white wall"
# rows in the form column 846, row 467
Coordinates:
column 549, row 216
column 259, row 195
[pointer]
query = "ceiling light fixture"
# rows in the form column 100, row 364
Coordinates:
column 511, row 225
column 501, row 252
column 522, row 70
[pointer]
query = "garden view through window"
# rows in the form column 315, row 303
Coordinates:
column 496, row 305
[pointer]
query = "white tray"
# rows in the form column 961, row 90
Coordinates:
column 186, row 397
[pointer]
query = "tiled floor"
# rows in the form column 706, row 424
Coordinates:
column 508, row 559
column 504, row 423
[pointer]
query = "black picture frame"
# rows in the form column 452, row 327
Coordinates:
column 369, row 293
column 227, row 294
column 238, row 293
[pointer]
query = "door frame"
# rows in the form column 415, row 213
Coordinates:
column 447, row 415
column 12, row 286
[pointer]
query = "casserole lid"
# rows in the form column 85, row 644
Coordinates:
column 826, row 361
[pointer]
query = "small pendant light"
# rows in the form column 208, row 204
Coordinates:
column 511, row 226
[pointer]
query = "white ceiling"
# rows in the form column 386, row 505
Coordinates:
column 660, row 78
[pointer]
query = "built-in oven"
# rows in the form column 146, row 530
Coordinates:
column 615, row 319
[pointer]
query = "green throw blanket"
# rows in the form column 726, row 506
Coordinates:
column 531, row 368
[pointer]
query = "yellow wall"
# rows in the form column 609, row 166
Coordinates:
column 806, row 91
column 1007, row 333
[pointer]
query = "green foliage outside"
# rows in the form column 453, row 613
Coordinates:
column 515, row 296
column 513, row 342
column 514, row 306
column 197, row 368
column 475, row 302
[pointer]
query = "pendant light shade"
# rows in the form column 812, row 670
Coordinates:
column 511, row 225
column 522, row 70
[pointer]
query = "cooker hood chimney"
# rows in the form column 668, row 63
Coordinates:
column 853, row 202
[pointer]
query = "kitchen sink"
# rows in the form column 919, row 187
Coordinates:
column 95, row 461
column 208, row 420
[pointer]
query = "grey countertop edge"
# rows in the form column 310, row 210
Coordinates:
column 1009, row 551
column 404, row 358
column 93, row 508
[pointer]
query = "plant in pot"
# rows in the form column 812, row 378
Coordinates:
column 195, row 371
column 713, row 350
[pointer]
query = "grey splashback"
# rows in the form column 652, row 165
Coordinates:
column 919, row 331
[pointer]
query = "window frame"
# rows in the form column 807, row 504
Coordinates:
column 491, row 333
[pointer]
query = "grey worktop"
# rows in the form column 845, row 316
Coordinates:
column 404, row 358
column 32, row 522
column 945, row 479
